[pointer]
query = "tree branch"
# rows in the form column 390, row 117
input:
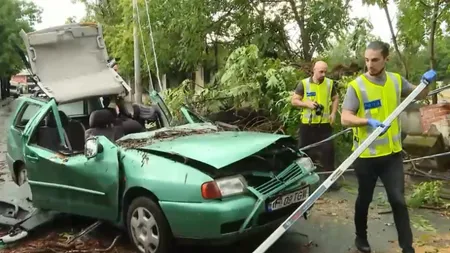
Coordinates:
column 424, row 4
column 445, row 9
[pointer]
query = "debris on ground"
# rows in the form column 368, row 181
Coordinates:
column 430, row 243
column 421, row 224
column 63, row 237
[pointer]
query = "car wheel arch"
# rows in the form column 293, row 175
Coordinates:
column 17, row 165
column 133, row 193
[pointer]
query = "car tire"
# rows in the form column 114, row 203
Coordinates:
column 21, row 176
column 145, row 212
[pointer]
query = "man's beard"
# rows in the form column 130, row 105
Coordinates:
column 320, row 80
column 378, row 73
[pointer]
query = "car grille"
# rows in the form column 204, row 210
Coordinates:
column 282, row 180
column 279, row 182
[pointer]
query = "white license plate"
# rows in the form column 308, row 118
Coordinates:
column 288, row 199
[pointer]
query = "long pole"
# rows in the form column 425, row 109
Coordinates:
column 336, row 174
column 137, row 60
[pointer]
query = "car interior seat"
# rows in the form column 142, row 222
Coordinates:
column 102, row 122
column 75, row 131
column 144, row 114
column 131, row 126
column 48, row 136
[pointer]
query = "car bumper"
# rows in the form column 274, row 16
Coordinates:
column 221, row 222
column 230, row 238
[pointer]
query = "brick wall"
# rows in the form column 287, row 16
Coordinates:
column 435, row 113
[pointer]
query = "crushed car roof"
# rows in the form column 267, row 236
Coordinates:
column 71, row 62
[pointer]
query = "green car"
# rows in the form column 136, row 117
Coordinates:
column 187, row 182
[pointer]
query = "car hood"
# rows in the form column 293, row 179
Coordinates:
column 71, row 62
column 203, row 143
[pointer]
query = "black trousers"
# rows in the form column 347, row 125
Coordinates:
column 390, row 170
column 324, row 153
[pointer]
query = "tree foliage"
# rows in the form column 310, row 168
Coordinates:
column 194, row 32
column 248, row 80
column 15, row 15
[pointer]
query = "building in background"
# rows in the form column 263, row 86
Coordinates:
column 22, row 83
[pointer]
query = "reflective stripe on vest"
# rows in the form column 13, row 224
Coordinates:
column 394, row 132
column 307, row 113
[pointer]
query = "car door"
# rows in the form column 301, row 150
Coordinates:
column 167, row 116
column 68, row 182
column 43, row 169
column 25, row 111
column 93, row 182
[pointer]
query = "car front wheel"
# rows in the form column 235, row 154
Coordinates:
column 147, row 227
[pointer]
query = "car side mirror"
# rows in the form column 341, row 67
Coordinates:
column 92, row 147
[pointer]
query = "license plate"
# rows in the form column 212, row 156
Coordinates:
column 288, row 199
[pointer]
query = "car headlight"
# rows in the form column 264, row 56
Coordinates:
column 224, row 187
column 306, row 163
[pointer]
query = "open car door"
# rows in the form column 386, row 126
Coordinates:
column 68, row 182
column 189, row 115
column 157, row 100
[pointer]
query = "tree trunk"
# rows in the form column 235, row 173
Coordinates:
column 394, row 38
column 301, row 24
column 434, row 23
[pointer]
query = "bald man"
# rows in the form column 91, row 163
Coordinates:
column 318, row 99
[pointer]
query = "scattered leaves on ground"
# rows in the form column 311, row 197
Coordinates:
column 431, row 243
column 421, row 223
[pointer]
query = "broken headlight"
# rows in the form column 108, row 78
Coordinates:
column 306, row 164
column 224, row 187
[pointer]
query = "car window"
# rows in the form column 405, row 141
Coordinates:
column 73, row 109
column 27, row 112
column 47, row 137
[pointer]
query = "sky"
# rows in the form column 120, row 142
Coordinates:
column 55, row 12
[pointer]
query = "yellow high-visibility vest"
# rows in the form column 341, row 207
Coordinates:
column 320, row 93
column 378, row 102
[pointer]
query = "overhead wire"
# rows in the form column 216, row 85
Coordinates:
column 153, row 44
column 143, row 45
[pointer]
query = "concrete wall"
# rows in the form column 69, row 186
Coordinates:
column 411, row 120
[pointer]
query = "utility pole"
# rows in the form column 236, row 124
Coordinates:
column 137, row 62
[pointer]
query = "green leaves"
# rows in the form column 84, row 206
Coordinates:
column 194, row 32
column 248, row 80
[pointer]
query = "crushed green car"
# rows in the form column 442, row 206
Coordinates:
column 190, row 182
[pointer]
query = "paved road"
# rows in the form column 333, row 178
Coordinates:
column 329, row 228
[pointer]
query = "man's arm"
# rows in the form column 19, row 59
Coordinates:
column 334, row 99
column 350, row 107
column 297, row 97
column 407, row 88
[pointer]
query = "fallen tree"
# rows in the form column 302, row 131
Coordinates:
column 251, row 92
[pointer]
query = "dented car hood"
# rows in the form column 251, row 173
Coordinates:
column 204, row 144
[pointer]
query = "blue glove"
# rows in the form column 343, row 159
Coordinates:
column 429, row 77
column 375, row 123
